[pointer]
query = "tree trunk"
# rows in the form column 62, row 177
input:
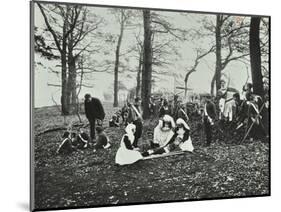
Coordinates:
column 147, row 63
column 218, row 52
column 255, row 55
column 115, row 101
column 117, row 54
column 213, row 86
column 71, row 83
column 139, row 76
column 186, row 80
column 71, row 88
column 64, row 102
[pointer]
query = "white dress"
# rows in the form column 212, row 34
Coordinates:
column 228, row 109
column 162, row 137
column 126, row 156
column 185, row 145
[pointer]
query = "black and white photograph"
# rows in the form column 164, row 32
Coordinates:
column 134, row 105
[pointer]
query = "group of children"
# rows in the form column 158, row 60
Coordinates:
column 168, row 136
column 123, row 114
column 72, row 141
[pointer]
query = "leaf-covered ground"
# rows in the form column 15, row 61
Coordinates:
column 87, row 178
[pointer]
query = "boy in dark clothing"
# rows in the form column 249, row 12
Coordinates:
column 209, row 118
column 102, row 139
column 82, row 139
column 255, row 119
column 135, row 117
column 164, row 110
column 138, row 121
column 124, row 114
column 66, row 145
column 114, row 122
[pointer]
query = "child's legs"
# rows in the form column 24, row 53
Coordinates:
column 159, row 151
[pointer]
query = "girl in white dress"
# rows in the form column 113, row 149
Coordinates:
column 180, row 140
column 182, row 132
column 126, row 154
column 163, row 132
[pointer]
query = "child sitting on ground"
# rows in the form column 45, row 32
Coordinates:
column 66, row 145
column 180, row 141
column 102, row 139
column 114, row 122
column 126, row 154
column 82, row 139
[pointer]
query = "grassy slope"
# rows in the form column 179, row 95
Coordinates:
column 85, row 178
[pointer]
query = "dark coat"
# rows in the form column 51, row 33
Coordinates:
column 164, row 111
column 101, row 141
column 211, row 109
column 94, row 109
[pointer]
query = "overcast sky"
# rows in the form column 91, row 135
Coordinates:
column 101, row 82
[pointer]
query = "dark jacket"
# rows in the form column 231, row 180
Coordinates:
column 164, row 111
column 94, row 109
column 101, row 141
column 211, row 109
column 78, row 142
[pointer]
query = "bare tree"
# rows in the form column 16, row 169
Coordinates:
column 264, row 45
column 60, row 39
column 69, row 27
column 199, row 56
column 255, row 55
column 140, row 67
column 147, row 63
column 232, row 41
column 78, row 44
column 122, row 17
column 159, row 50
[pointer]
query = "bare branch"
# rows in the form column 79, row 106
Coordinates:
column 51, row 30
column 53, row 85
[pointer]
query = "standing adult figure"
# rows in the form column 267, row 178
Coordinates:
column 180, row 112
column 164, row 110
column 257, row 129
column 209, row 116
column 94, row 112
column 135, row 117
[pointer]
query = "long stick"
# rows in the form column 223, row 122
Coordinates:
column 247, row 133
column 164, row 155
column 250, row 128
